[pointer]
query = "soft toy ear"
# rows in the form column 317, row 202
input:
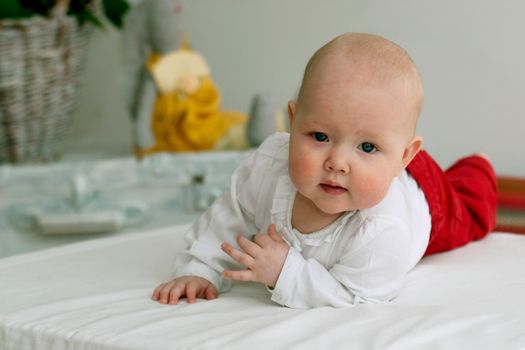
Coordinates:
column 411, row 150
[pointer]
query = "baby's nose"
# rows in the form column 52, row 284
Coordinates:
column 338, row 164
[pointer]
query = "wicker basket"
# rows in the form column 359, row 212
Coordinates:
column 40, row 64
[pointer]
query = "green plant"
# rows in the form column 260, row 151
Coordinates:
column 113, row 10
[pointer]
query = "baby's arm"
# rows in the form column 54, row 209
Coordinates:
column 203, row 259
column 372, row 272
column 191, row 287
column 232, row 213
column 295, row 281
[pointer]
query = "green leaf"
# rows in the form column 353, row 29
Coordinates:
column 13, row 9
column 42, row 7
column 88, row 16
column 78, row 6
column 24, row 8
column 115, row 11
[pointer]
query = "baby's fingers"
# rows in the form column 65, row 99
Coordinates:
column 192, row 291
column 243, row 275
column 211, row 292
column 156, row 293
column 237, row 255
column 167, row 293
column 249, row 247
column 272, row 232
column 175, row 293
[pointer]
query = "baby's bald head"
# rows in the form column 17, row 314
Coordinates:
column 366, row 59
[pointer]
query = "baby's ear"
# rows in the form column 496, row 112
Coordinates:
column 411, row 150
column 291, row 110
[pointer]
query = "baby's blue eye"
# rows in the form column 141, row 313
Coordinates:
column 319, row 136
column 368, row 147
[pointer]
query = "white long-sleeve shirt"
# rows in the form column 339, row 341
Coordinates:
column 361, row 257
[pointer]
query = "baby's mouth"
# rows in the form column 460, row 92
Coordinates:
column 333, row 189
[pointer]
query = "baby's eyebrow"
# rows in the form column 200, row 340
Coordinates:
column 375, row 138
column 316, row 125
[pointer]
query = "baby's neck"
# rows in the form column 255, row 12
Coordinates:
column 306, row 216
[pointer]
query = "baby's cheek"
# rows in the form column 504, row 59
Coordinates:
column 302, row 167
column 373, row 190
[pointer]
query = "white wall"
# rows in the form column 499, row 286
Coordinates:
column 471, row 55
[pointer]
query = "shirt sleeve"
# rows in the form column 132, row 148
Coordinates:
column 221, row 222
column 233, row 213
column 371, row 272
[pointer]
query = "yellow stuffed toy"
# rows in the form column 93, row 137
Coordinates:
column 186, row 115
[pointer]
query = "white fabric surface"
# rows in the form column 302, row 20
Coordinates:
column 95, row 295
column 363, row 256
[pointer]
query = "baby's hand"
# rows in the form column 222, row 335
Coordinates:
column 264, row 258
column 191, row 287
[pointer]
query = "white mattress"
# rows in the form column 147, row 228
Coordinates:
column 95, row 295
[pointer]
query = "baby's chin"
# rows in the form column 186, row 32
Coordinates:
column 333, row 210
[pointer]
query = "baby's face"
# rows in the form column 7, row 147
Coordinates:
column 348, row 141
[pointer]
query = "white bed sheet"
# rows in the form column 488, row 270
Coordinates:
column 95, row 295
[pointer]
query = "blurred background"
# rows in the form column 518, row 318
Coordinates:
column 163, row 80
column 470, row 55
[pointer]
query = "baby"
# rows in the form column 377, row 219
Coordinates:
column 339, row 210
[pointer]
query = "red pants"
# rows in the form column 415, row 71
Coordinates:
column 462, row 199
